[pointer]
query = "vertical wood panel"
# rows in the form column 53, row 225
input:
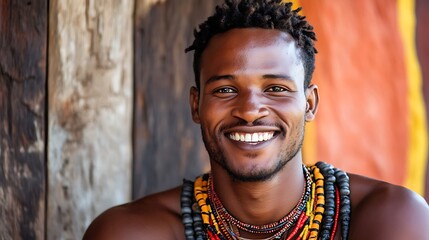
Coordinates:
column 167, row 144
column 23, row 38
column 90, row 113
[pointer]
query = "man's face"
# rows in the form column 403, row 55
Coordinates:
column 252, row 102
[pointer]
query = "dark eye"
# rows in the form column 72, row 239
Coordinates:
column 225, row 90
column 276, row 89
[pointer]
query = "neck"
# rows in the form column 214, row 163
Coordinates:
column 262, row 202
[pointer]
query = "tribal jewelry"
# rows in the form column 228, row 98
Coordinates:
column 324, row 204
column 282, row 225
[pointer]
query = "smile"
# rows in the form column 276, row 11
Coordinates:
column 251, row 137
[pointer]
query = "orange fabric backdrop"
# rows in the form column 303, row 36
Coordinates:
column 362, row 123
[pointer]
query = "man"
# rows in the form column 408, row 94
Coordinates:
column 253, row 65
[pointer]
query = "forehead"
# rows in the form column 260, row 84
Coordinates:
column 251, row 51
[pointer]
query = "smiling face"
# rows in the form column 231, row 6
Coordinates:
column 252, row 105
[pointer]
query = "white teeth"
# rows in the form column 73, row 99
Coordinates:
column 255, row 137
column 237, row 136
column 248, row 137
column 251, row 137
column 265, row 136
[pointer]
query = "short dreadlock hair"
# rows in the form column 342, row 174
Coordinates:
column 267, row 14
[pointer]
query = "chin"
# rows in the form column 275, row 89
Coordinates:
column 254, row 172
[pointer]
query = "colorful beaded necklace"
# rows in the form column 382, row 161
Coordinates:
column 324, row 204
column 278, row 227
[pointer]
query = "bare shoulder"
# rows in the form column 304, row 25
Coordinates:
column 384, row 211
column 153, row 217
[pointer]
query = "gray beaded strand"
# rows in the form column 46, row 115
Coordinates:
column 327, row 171
column 345, row 204
column 334, row 176
column 186, row 206
column 191, row 215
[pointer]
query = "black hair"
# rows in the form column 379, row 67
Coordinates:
column 267, row 14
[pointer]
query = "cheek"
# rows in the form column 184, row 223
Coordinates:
column 209, row 118
column 214, row 111
column 291, row 117
column 290, row 111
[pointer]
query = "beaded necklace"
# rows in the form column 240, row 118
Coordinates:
column 325, row 202
column 281, row 226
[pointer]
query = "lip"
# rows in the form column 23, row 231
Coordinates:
column 252, row 129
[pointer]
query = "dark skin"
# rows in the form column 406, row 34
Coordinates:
column 251, row 75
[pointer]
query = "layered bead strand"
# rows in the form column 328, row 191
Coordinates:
column 329, row 188
column 278, row 227
column 324, row 204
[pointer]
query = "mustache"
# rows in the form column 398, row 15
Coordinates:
column 243, row 123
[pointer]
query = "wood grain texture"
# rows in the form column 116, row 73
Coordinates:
column 90, row 113
column 23, row 39
column 422, row 42
column 167, row 144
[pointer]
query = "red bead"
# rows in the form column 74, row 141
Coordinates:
column 337, row 212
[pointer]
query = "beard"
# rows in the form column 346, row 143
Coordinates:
column 287, row 153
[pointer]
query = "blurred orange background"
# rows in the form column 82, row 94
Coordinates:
column 372, row 72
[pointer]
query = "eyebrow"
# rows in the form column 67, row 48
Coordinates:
column 220, row 77
column 265, row 76
column 277, row 76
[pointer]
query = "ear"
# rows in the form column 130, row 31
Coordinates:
column 312, row 96
column 194, row 100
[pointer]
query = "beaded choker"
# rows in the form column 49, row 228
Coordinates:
column 324, row 204
column 278, row 227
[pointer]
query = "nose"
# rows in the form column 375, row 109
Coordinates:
column 250, row 107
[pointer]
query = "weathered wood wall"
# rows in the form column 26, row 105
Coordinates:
column 167, row 144
column 23, row 39
column 90, row 109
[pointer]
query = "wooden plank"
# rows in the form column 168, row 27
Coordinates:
column 23, row 39
column 167, row 144
column 422, row 42
column 90, row 113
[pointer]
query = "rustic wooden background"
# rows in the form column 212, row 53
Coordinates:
column 94, row 107
column 23, row 44
column 67, row 87
column 167, row 144
column 89, row 112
